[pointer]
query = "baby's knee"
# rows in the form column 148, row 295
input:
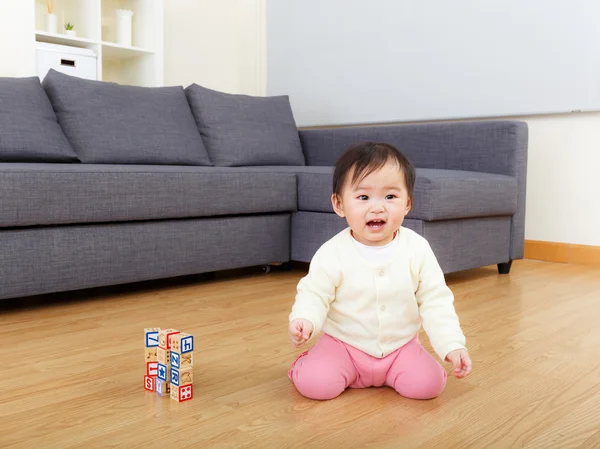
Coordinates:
column 318, row 384
column 428, row 384
column 432, row 384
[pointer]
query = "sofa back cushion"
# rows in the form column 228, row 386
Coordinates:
column 29, row 130
column 243, row 130
column 112, row 123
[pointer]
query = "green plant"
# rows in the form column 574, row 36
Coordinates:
column 68, row 26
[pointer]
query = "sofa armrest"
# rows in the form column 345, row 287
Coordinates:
column 495, row 146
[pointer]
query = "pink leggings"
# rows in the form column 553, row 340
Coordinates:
column 331, row 366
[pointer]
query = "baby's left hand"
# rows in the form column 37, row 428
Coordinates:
column 461, row 361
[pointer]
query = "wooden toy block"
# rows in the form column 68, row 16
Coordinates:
column 164, row 337
column 151, row 368
column 151, row 354
column 163, row 356
column 163, row 388
column 164, row 372
column 182, row 343
column 180, row 377
column 183, row 393
column 186, row 360
column 151, row 336
column 149, row 382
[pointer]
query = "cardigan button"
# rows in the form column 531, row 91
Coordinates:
column 380, row 273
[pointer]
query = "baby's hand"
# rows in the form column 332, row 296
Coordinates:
column 300, row 331
column 461, row 361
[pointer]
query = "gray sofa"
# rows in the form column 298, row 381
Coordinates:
column 103, row 184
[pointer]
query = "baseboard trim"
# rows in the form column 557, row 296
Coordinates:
column 562, row 252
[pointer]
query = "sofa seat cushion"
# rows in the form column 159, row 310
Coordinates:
column 438, row 194
column 47, row 194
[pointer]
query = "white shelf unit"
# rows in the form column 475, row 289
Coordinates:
column 140, row 64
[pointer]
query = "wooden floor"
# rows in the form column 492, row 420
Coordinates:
column 72, row 370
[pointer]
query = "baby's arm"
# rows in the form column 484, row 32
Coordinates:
column 315, row 292
column 436, row 306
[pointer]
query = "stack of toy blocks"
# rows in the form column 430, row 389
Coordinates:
column 171, row 370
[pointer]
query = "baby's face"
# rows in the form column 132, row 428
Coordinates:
column 375, row 207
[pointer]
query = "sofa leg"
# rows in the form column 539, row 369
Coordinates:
column 286, row 266
column 504, row 268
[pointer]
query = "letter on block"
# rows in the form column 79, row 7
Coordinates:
column 151, row 368
column 163, row 388
column 181, row 377
column 164, row 337
column 183, row 393
column 182, row 343
column 175, row 360
column 149, row 383
column 151, row 336
column 163, row 356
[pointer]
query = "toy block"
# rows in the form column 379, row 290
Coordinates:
column 151, row 354
column 186, row 360
column 183, row 393
column 164, row 372
column 175, row 360
column 182, row 343
column 151, row 336
column 149, row 382
column 163, row 388
column 181, row 361
column 164, row 338
column 163, row 356
column 180, row 377
column 151, row 368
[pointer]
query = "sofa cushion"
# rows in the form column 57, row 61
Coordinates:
column 45, row 194
column 108, row 123
column 438, row 194
column 29, row 130
column 240, row 130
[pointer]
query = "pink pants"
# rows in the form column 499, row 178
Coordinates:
column 331, row 366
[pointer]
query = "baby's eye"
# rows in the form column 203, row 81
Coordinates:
column 390, row 197
column 363, row 197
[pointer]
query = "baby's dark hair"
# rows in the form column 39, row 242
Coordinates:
column 367, row 157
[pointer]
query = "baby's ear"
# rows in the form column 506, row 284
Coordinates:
column 338, row 207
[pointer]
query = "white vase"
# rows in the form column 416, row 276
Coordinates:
column 71, row 33
column 123, row 23
column 52, row 23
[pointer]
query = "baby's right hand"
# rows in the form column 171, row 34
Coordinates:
column 300, row 331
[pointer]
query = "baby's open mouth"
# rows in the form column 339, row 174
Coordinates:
column 376, row 224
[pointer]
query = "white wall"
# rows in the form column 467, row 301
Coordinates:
column 563, row 179
column 17, row 42
column 214, row 44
